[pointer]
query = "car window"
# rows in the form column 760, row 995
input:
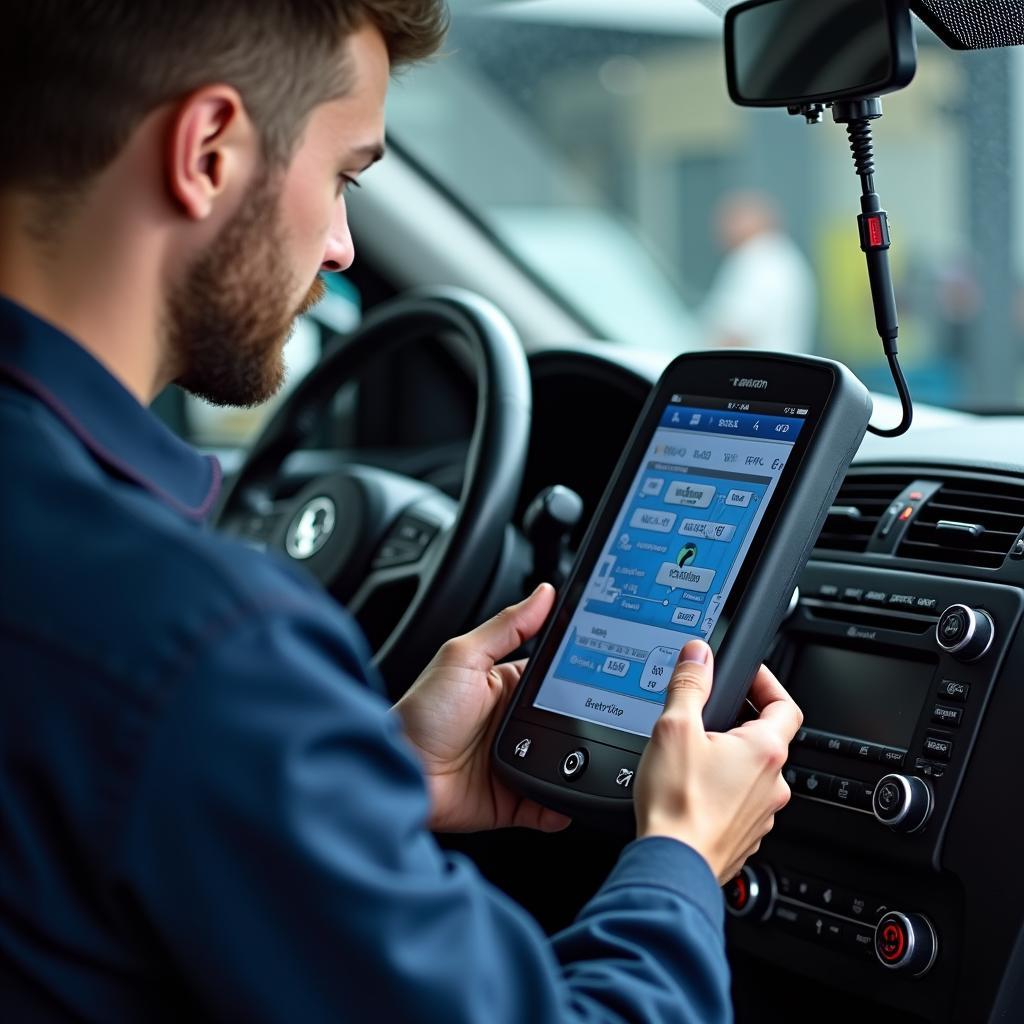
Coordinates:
column 597, row 140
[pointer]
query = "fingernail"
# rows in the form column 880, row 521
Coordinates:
column 696, row 651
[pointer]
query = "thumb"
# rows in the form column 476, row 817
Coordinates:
column 690, row 686
column 511, row 627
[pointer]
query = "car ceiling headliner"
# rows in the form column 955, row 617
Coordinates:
column 960, row 24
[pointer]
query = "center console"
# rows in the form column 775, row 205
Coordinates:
column 894, row 672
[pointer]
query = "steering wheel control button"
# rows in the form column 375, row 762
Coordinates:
column 574, row 763
column 938, row 748
column 405, row 544
column 966, row 633
column 906, row 942
column 954, row 689
column 903, row 802
column 751, row 894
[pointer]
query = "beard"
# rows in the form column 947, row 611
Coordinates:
column 228, row 320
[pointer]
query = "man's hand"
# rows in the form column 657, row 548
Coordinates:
column 452, row 712
column 717, row 792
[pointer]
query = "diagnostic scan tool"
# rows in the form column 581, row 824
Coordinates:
column 708, row 520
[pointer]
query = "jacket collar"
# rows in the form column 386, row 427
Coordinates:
column 121, row 434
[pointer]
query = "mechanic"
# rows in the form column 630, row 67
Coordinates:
column 206, row 808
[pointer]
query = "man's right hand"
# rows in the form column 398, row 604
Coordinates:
column 716, row 792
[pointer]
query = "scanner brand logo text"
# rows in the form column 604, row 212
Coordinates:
column 748, row 382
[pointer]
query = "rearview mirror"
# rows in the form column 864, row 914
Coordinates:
column 789, row 53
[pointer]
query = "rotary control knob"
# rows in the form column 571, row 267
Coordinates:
column 966, row 633
column 903, row 802
column 906, row 942
column 751, row 894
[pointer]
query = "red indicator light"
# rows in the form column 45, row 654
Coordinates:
column 915, row 495
column 875, row 238
column 906, row 513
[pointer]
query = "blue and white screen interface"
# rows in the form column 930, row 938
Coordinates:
column 671, row 558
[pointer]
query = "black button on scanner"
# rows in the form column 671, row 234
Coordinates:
column 574, row 763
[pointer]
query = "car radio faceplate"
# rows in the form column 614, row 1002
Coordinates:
column 876, row 660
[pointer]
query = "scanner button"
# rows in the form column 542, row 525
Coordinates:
column 574, row 763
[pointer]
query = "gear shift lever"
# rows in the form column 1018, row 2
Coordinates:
column 548, row 523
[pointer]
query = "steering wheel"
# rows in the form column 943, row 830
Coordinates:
column 378, row 539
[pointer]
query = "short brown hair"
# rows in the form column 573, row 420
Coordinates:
column 77, row 76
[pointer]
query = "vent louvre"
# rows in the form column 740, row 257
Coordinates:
column 857, row 508
column 994, row 508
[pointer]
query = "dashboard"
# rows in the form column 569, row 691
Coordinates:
column 888, row 886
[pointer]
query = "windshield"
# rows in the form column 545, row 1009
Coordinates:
column 596, row 139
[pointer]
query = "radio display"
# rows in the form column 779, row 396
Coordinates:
column 863, row 696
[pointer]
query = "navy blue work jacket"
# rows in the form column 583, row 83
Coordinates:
column 206, row 810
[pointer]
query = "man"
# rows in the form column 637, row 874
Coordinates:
column 205, row 809
column 763, row 295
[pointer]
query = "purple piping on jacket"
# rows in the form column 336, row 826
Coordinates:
column 67, row 417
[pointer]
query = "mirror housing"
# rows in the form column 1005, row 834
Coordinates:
column 795, row 53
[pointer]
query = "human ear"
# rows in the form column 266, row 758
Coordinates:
column 210, row 146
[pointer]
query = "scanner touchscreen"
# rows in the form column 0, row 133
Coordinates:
column 670, row 560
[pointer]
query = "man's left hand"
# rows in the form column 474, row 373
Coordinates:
column 452, row 712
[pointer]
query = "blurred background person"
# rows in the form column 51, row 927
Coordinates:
column 763, row 295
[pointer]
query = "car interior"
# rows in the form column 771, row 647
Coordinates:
column 535, row 249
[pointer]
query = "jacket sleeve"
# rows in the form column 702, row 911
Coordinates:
column 275, row 850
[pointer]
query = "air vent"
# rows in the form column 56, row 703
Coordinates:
column 968, row 521
column 858, row 506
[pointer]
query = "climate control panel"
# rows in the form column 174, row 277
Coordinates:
column 856, row 924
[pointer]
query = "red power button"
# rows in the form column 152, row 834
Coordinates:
column 891, row 941
column 737, row 892
column 906, row 942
